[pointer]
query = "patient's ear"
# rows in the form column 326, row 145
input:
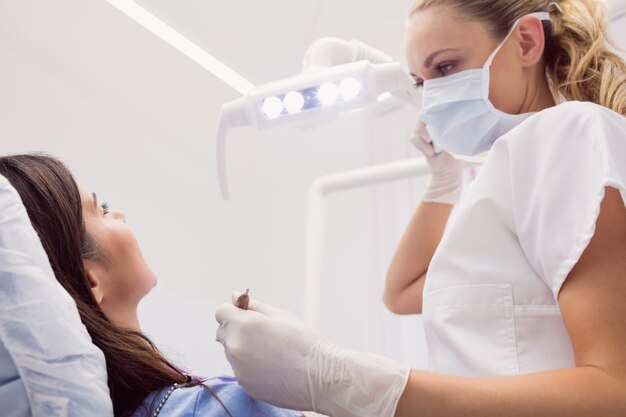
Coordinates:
column 92, row 272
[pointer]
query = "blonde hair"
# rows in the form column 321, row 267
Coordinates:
column 579, row 55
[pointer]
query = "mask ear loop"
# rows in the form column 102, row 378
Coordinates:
column 555, row 7
column 486, row 75
column 486, row 71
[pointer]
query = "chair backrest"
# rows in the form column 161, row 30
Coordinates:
column 48, row 365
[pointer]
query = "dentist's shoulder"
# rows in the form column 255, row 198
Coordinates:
column 571, row 124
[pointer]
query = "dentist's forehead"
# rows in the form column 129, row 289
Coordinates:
column 439, row 28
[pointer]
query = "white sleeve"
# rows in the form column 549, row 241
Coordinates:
column 63, row 373
column 559, row 172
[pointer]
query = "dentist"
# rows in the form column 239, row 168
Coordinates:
column 523, row 295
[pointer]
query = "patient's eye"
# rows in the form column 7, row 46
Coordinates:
column 105, row 207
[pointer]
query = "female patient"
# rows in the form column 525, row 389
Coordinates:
column 96, row 258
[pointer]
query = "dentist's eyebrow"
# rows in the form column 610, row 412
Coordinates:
column 435, row 54
column 95, row 201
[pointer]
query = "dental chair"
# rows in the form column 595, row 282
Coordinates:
column 48, row 365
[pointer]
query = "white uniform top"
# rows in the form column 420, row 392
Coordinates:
column 490, row 300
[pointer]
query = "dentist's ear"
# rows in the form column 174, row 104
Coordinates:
column 531, row 38
column 95, row 283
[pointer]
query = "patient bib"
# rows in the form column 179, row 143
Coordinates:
column 197, row 401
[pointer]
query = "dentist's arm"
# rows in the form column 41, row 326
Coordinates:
column 406, row 274
column 593, row 305
column 407, row 271
column 278, row 360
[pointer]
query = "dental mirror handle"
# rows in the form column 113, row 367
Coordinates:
column 243, row 301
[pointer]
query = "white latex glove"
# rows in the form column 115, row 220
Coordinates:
column 446, row 180
column 277, row 359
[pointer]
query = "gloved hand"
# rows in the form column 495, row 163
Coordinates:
column 277, row 359
column 446, row 180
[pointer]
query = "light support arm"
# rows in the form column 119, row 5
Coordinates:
column 330, row 52
column 319, row 190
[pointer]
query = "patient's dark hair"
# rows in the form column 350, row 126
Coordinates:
column 135, row 366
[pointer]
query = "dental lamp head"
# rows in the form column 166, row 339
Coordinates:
column 311, row 96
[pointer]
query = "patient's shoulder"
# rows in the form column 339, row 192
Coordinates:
column 210, row 399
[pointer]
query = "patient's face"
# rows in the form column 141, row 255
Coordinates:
column 119, row 277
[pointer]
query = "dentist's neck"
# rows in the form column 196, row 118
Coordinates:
column 538, row 96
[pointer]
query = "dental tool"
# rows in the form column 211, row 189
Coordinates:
column 243, row 301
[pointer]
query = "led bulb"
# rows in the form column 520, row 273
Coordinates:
column 349, row 89
column 384, row 96
column 294, row 102
column 327, row 94
column 272, row 107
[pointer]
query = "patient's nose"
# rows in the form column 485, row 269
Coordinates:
column 118, row 215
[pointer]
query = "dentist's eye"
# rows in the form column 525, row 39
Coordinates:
column 444, row 69
column 418, row 84
column 105, row 208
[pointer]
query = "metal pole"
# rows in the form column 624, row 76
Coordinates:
column 316, row 219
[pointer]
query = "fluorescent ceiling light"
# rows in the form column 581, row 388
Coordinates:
column 182, row 44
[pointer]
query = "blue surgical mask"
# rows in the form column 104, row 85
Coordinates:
column 457, row 111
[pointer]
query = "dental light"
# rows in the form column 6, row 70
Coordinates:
column 318, row 93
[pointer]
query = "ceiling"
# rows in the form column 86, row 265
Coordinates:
column 264, row 41
column 267, row 40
